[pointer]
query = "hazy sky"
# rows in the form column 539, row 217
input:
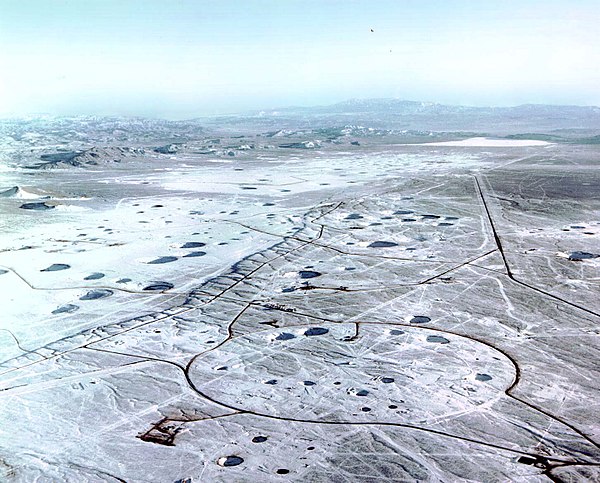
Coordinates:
column 182, row 58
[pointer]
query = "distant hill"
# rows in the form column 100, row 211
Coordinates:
column 402, row 114
column 400, row 106
column 355, row 117
column 90, row 157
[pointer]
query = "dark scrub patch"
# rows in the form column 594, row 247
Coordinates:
column 159, row 286
column 94, row 276
column 96, row 294
column 55, row 267
column 308, row 274
column 285, row 336
column 538, row 461
column 315, row 331
column 195, row 254
column 39, row 206
column 420, row 319
column 65, row 309
column 162, row 260
column 579, row 256
column 382, row 244
column 230, row 461
column 437, row 339
column 193, row 245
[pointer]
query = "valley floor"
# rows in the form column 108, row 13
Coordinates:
column 398, row 313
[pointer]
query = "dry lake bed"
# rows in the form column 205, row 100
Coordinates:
column 295, row 310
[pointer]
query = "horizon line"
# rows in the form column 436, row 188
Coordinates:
column 258, row 111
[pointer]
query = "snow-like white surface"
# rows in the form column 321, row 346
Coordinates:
column 326, row 315
column 481, row 142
